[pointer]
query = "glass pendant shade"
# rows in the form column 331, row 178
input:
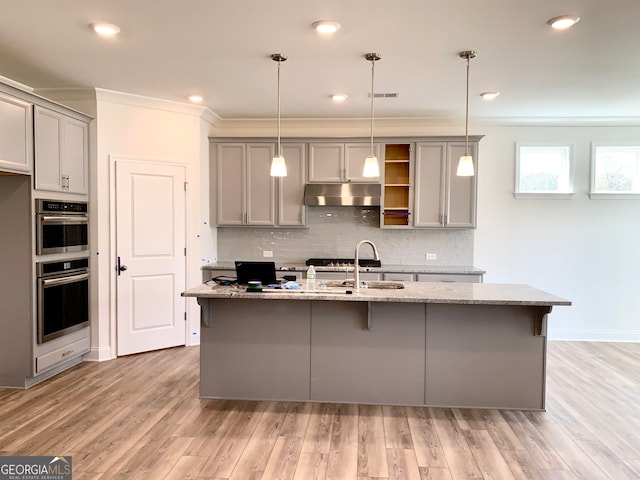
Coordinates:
column 371, row 168
column 278, row 167
column 465, row 166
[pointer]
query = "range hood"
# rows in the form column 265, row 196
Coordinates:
column 342, row 194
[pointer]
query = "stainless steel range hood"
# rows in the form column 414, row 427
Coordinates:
column 342, row 194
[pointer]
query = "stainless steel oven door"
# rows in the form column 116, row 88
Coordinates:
column 63, row 304
column 62, row 233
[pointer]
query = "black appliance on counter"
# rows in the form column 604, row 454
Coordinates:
column 264, row 272
column 342, row 262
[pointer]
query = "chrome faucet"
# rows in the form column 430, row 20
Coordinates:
column 356, row 265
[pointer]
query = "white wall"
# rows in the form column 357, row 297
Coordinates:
column 142, row 129
column 581, row 249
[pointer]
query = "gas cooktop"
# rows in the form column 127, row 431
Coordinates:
column 342, row 262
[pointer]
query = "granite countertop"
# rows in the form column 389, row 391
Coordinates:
column 301, row 267
column 414, row 292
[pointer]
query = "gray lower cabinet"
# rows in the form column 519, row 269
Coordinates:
column 399, row 277
column 351, row 363
column 478, row 355
column 345, row 275
column 256, row 349
column 450, row 277
column 16, row 135
column 434, row 277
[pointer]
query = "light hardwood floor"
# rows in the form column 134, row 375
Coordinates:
column 139, row 417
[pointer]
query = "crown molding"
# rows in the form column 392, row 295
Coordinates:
column 112, row 96
column 14, row 84
column 74, row 93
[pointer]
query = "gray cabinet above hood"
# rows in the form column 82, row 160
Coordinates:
column 342, row 194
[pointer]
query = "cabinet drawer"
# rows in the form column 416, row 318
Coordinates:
column 449, row 277
column 51, row 359
column 345, row 275
column 402, row 277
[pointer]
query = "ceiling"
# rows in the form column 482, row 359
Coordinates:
column 221, row 50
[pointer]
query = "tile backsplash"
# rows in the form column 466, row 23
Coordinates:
column 334, row 232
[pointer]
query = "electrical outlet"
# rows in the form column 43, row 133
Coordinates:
column 267, row 253
column 432, row 256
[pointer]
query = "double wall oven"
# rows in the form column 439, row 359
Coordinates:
column 62, row 281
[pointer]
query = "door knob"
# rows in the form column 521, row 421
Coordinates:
column 120, row 267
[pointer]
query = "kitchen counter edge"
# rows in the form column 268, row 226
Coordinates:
column 414, row 292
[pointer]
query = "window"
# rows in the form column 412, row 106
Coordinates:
column 615, row 171
column 544, row 171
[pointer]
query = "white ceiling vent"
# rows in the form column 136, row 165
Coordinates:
column 384, row 95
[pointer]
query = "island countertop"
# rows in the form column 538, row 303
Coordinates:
column 413, row 292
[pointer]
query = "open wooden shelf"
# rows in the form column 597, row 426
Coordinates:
column 397, row 178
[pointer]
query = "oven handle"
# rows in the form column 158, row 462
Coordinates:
column 64, row 219
column 52, row 282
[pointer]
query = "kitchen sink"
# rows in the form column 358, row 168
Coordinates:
column 380, row 285
column 375, row 284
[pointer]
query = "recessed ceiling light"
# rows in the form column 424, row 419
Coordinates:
column 195, row 98
column 339, row 97
column 326, row 26
column 107, row 29
column 489, row 95
column 562, row 22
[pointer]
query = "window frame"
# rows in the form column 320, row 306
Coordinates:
column 592, row 175
column 545, row 194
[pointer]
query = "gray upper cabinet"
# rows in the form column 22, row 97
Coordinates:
column 247, row 195
column 291, row 209
column 245, row 192
column 339, row 162
column 16, row 133
column 61, row 152
column 442, row 199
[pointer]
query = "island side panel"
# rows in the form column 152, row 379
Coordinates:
column 384, row 365
column 255, row 349
column 484, row 356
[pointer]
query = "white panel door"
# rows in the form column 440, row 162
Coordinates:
column 150, row 246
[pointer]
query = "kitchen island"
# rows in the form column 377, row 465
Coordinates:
column 455, row 344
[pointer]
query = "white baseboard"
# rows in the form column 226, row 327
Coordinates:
column 99, row 354
column 595, row 335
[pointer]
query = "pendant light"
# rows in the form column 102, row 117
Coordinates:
column 465, row 164
column 371, row 168
column 278, row 165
